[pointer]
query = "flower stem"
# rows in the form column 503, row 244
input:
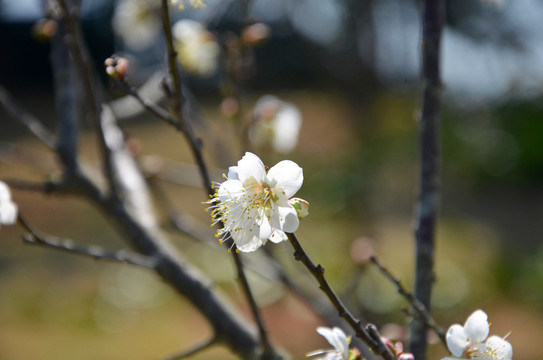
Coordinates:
column 368, row 335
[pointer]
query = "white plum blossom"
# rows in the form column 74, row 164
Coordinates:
column 252, row 204
column 8, row 209
column 337, row 338
column 468, row 341
column 275, row 122
column 197, row 49
column 137, row 23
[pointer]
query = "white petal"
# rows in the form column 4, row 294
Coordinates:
column 264, row 229
column 286, row 176
column 246, row 241
column 476, row 327
column 250, row 166
column 233, row 173
column 456, row 339
column 5, row 194
column 328, row 334
column 230, row 189
column 342, row 339
column 8, row 213
column 288, row 218
column 499, row 347
column 278, row 236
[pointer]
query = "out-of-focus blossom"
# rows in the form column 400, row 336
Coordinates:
column 137, row 23
column 337, row 338
column 8, row 209
column 256, row 34
column 468, row 341
column 275, row 123
column 252, row 204
column 197, row 49
column 195, row 4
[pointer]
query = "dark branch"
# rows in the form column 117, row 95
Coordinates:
column 317, row 271
column 433, row 14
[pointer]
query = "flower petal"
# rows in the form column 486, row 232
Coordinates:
column 500, row 348
column 476, row 327
column 8, row 213
column 278, row 236
column 343, row 344
column 5, row 193
column 230, row 189
column 249, row 166
column 245, row 241
column 288, row 218
column 233, row 173
column 456, row 340
column 286, row 176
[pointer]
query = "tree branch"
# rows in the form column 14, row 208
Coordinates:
column 95, row 252
column 369, row 337
column 433, row 14
column 415, row 303
column 196, row 149
column 32, row 123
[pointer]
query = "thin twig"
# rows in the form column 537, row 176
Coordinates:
column 149, row 106
column 194, row 350
column 318, row 273
column 32, row 123
column 95, row 252
column 433, row 14
column 415, row 303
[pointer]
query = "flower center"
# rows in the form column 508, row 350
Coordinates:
column 262, row 197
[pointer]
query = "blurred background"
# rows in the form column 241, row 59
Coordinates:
column 346, row 72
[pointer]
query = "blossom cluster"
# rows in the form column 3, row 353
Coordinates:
column 254, row 204
column 470, row 341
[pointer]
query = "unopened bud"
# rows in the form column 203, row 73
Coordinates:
column 301, row 206
column 256, row 34
column 406, row 356
column 116, row 67
column 355, row 354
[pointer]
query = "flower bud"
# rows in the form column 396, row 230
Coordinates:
column 116, row 67
column 406, row 356
column 301, row 206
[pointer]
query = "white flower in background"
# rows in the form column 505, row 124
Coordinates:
column 137, row 23
column 337, row 338
column 276, row 123
column 468, row 341
column 8, row 209
column 252, row 203
column 195, row 4
column 197, row 50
